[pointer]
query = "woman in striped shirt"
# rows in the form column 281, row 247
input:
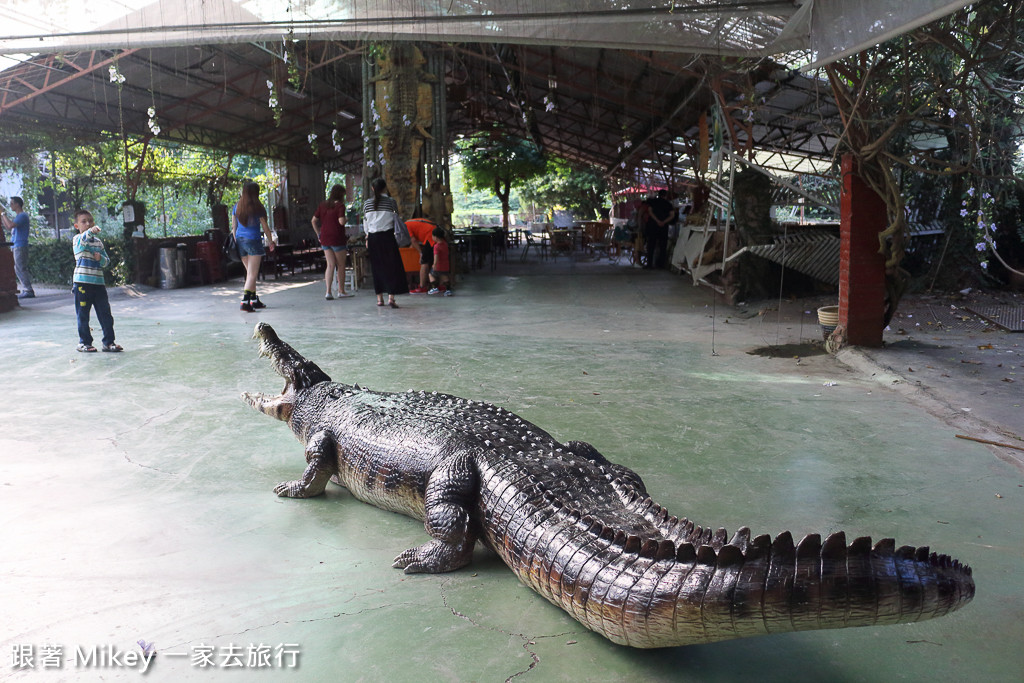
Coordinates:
column 379, row 215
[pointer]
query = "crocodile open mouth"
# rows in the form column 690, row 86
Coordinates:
column 298, row 373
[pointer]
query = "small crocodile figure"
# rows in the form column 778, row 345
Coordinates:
column 580, row 530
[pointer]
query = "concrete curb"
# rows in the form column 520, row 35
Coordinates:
column 935, row 402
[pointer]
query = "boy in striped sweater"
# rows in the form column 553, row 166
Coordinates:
column 90, row 287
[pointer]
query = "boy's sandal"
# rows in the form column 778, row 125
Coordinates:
column 112, row 348
column 86, row 348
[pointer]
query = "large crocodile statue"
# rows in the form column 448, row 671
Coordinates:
column 580, row 530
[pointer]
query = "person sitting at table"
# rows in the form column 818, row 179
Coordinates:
column 329, row 225
column 421, row 232
column 442, row 265
column 379, row 214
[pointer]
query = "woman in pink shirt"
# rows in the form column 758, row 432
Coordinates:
column 329, row 224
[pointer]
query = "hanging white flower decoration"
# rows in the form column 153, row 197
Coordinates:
column 115, row 75
column 272, row 100
column 154, row 125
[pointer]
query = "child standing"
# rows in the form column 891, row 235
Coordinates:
column 90, row 288
column 439, row 274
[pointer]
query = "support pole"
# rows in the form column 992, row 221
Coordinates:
column 861, row 266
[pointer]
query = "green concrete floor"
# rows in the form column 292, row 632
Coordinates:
column 136, row 489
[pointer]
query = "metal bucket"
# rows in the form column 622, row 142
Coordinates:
column 182, row 267
column 170, row 273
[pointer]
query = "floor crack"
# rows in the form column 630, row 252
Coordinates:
column 528, row 641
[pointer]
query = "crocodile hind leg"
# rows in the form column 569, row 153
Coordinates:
column 322, row 459
column 451, row 491
column 625, row 479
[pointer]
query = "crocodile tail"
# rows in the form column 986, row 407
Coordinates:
column 772, row 586
column 656, row 594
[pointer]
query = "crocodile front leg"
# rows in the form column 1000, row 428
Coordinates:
column 452, row 489
column 322, row 461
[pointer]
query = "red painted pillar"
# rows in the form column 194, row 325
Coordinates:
column 862, row 215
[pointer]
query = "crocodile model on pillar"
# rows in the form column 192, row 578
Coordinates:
column 580, row 530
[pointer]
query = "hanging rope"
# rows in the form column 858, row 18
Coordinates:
column 782, row 277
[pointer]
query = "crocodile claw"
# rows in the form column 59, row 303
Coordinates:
column 434, row 557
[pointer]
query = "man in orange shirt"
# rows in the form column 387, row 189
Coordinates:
column 420, row 230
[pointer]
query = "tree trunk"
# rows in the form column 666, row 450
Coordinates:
column 503, row 196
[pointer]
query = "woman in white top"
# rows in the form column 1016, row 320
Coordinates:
column 379, row 215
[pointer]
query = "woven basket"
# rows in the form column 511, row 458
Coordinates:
column 828, row 318
column 828, row 315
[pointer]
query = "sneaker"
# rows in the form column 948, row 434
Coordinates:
column 256, row 303
column 345, row 295
column 86, row 348
column 329, row 297
column 419, row 290
column 27, row 295
column 448, row 292
column 247, row 306
column 435, row 290
column 112, row 348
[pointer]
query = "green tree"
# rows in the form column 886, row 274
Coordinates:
column 498, row 162
column 939, row 106
column 177, row 183
column 583, row 190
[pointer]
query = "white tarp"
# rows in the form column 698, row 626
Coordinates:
column 759, row 27
column 842, row 28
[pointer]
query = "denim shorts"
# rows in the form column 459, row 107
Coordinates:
column 343, row 247
column 247, row 247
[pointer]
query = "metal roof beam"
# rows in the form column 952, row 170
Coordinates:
column 49, row 85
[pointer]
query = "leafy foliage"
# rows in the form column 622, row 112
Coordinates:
column 498, row 162
column 178, row 184
column 471, row 205
column 579, row 189
column 53, row 261
column 944, row 101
